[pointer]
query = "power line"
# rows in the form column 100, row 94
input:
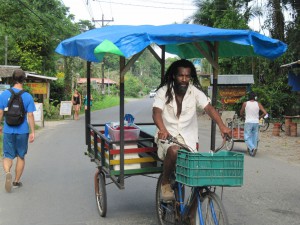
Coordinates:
column 168, row 3
column 147, row 6
column 88, row 7
column 42, row 20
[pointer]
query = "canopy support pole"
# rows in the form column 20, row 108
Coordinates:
column 121, row 119
column 209, row 57
column 88, row 111
column 163, row 62
column 212, row 57
column 215, row 57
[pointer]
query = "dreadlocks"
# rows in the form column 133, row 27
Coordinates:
column 168, row 79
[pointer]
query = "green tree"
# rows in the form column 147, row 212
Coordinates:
column 270, row 80
column 221, row 13
column 275, row 19
column 34, row 29
column 132, row 85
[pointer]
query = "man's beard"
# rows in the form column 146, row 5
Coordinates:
column 181, row 89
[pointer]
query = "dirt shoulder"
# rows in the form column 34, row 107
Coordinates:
column 283, row 147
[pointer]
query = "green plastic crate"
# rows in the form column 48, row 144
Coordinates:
column 223, row 168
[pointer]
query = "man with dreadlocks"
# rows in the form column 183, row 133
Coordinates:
column 174, row 113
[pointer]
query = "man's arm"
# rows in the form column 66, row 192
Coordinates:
column 212, row 112
column 1, row 116
column 157, row 118
column 261, row 108
column 242, row 111
column 31, row 125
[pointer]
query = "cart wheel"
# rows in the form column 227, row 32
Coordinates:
column 229, row 144
column 100, row 193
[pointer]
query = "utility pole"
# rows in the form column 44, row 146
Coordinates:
column 103, row 20
column 5, row 56
column 102, row 66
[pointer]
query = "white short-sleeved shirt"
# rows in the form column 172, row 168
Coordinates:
column 187, row 124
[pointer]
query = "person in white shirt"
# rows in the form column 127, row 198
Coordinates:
column 174, row 113
column 251, row 110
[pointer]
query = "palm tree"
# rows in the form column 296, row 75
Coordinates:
column 223, row 13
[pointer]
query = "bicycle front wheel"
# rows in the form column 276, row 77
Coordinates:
column 212, row 210
column 165, row 210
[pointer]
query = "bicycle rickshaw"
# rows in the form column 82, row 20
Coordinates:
column 184, row 40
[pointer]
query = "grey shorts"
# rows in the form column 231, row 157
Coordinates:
column 162, row 148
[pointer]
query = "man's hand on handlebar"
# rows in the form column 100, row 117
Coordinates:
column 225, row 131
column 170, row 139
column 163, row 134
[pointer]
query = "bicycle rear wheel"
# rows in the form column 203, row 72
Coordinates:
column 165, row 210
column 100, row 193
column 213, row 211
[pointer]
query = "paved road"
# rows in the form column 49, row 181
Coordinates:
column 58, row 183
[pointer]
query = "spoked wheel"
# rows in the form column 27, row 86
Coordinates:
column 264, row 126
column 100, row 193
column 213, row 211
column 165, row 211
column 229, row 144
column 282, row 126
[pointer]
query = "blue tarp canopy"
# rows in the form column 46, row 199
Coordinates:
column 184, row 40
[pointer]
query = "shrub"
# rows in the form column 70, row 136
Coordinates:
column 51, row 109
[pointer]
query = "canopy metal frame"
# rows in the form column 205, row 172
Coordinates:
column 211, row 55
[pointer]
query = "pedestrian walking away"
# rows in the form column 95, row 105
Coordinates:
column 76, row 100
column 251, row 110
column 175, row 113
column 16, row 136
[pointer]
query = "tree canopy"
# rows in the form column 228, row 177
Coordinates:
column 33, row 30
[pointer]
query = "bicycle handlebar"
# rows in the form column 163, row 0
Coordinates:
column 172, row 139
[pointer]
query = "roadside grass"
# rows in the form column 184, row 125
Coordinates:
column 106, row 102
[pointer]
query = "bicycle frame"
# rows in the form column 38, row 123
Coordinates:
column 184, row 209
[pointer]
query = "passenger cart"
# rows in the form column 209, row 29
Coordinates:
column 237, row 132
column 140, row 158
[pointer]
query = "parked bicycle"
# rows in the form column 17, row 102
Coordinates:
column 202, row 172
